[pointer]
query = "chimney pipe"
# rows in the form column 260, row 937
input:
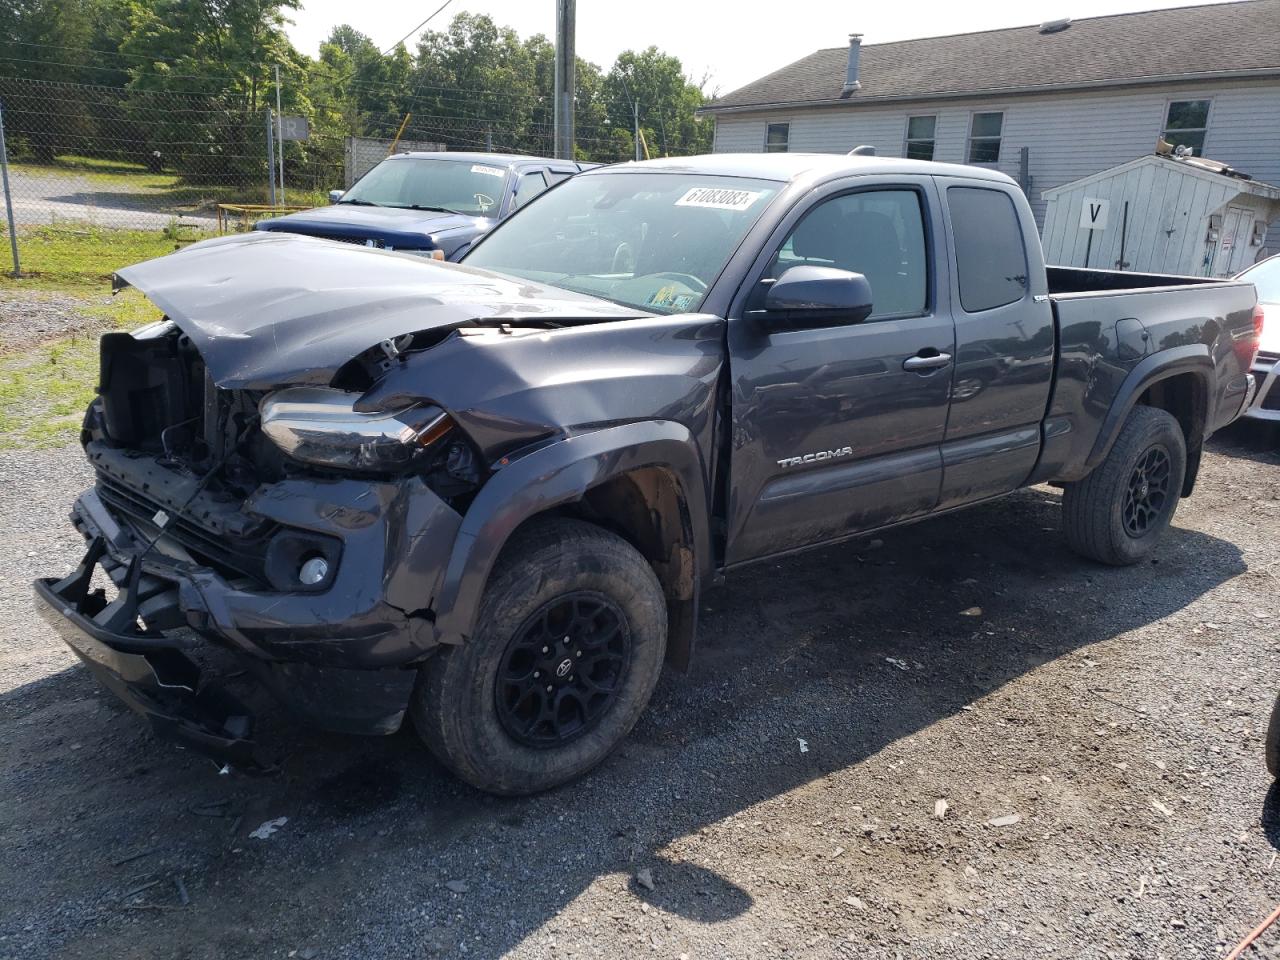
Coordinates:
column 851, row 81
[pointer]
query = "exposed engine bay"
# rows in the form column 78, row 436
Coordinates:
column 177, row 455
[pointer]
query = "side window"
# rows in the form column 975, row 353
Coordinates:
column 878, row 233
column 920, row 140
column 527, row 187
column 776, row 138
column 556, row 176
column 984, row 137
column 991, row 254
column 1186, row 123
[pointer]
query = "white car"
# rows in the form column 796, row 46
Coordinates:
column 1265, row 276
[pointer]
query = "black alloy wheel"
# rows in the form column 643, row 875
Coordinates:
column 563, row 669
column 1148, row 492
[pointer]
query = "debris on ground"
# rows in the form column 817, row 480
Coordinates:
column 940, row 808
column 1008, row 820
column 265, row 831
column 644, row 878
column 971, row 612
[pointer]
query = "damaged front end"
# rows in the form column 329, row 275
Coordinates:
column 286, row 466
column 266, row 523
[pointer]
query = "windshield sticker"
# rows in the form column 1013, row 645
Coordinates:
column 718, row 198
column 667, row 298
column 491, row 171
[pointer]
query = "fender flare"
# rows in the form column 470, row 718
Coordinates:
column 1190, row 358
column 557, row 474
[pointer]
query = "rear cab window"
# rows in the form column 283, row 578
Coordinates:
column 991, row 252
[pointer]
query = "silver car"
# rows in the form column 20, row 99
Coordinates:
column 1265, row 276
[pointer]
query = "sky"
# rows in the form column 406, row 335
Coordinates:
column 728, row 44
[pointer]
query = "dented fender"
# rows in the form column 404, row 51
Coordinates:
column 558, row 474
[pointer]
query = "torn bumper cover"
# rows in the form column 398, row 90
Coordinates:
column 343, row 660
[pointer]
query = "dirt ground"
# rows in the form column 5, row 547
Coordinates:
column 781, row 800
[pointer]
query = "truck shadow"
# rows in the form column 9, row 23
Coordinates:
column 849, row 649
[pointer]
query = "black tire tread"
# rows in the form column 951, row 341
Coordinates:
column 1087, row 517
column 540, row 553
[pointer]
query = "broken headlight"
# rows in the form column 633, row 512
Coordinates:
column 320, row 425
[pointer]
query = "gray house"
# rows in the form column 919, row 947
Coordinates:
column 1046, row 104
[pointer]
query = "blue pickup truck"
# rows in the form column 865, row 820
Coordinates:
column 433, row 204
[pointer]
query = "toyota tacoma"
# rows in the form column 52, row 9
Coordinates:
column 487, row 496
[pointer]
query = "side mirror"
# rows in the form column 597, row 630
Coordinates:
column 818, row 297
column 336, row 195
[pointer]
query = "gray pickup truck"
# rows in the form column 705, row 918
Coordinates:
column 488, row 495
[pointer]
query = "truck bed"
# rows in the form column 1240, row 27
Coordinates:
column 1070, row 280
column 1109, row 322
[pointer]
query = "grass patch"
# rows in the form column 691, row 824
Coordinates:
column 84, row 257
column 44, row 391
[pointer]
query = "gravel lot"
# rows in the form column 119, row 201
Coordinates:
column 43, row 197
column 781, row 798
column 29, row 317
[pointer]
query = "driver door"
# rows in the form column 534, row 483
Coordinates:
column 838, row 429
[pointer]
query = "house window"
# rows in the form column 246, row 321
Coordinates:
column 776, row 137
column 920, row 137
column 1185, row 124
column 984, row 137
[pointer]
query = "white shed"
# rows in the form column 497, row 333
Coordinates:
column 1160, row 214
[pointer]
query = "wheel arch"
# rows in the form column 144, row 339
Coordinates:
column 1176, row 380
column 643, row 481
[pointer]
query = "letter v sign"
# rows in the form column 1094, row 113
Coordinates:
column 1093, row 213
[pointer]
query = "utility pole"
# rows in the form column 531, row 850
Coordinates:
column 271, row 159
column 8, row 201
column 566, row 61
column 635, row 125
column 280, row 133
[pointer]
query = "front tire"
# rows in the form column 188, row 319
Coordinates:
column 1117, row 513
column 568, row 647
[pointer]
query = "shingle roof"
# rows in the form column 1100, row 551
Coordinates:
column 1158, row 45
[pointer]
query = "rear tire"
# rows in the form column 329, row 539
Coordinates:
column 1117, row 513
column 564, row 594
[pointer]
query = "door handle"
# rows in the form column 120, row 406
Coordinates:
column 931, row 361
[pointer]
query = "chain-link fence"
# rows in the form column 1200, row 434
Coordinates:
column 141, row 171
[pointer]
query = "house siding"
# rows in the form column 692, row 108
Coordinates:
column 1069, row 135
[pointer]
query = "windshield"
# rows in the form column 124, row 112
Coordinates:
column 654, row 241
column 1266, row 277
column 459, row 186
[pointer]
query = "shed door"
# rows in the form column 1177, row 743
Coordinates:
column 1237, row 226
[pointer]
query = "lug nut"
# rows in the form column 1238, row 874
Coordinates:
column 546, row 649
column 549, row 688
column 579, row 653
column 537, row 674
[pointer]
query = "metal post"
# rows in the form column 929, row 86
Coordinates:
column 566, row 61
column 271, row 160
column 488, row 136
column 280, row 133
column 8, row 200
column 635, row 125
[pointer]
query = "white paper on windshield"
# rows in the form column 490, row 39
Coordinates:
column 491, row 171
column 718, row 198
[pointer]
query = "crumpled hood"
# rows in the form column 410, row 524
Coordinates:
column 268, row 309
column 408, row 228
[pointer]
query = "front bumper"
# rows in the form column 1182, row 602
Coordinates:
column 145, row 668
column 344, row 659
column 1266, row 401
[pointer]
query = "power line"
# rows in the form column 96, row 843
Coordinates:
column 417, row 28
